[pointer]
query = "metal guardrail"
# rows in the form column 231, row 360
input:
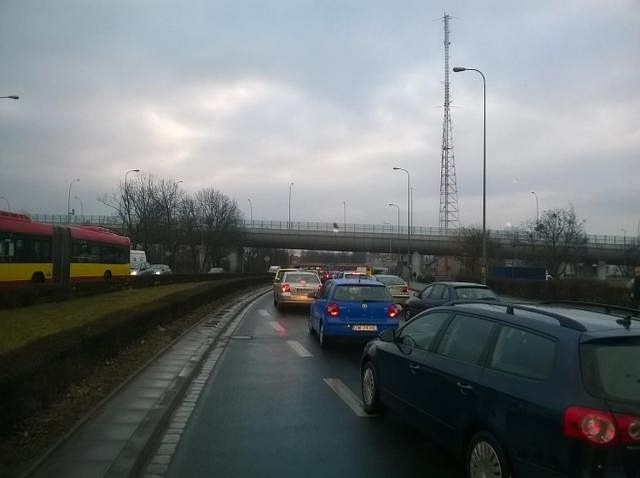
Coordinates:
column 513, row 236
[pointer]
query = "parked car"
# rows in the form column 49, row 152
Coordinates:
column 551, row 390
column 296, row 287
column 215, row 270
column 438, row 293
column 356, row 308
column 397, row 286
column 155, row 269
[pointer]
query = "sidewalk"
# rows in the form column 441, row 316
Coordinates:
column 116, row 438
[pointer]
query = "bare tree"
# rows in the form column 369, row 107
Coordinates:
column 168, row 198
column 558, row 235
column 219, row 219
column 191, row 236
column 471, row 250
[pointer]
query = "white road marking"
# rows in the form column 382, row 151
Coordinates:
column 300, row 350
column 276, row 326
column 347, row 396
column 264, row 313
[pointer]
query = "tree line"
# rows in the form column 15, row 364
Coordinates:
column 557, row 237
column 191, row 233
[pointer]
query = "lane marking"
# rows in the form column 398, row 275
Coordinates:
column 299, row 349
column 347, row 396
column 276, row 326
column 264, row 313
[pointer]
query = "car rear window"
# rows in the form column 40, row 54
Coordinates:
column 362, row 292
column 475, row 293
column 390, row 280
column 299, row 277
column 611, row 369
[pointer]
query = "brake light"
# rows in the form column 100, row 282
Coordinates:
column 393, row 312
column 405, row 290
column 285, row 288
column 333, row 310
column 595, row 426
column 629, row 429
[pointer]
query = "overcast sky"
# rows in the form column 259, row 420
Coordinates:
column 248, row 96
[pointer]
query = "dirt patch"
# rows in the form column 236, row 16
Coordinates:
column 29, row 440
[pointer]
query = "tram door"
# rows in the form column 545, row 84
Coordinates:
column 61, row 254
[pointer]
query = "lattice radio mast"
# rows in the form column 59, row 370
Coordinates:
column 449, row 213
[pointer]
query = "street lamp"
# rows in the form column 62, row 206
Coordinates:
column 77, row 180
column 290, row 186
column 81, row 205
column 8, row 205
column 398, row 208
column 250, row 210
column 457, row 69
column 537, row 208
column 11, row 97
column 344, row 214
column 395, row 168
column 624, row 249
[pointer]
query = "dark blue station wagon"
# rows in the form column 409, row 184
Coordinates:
column 550, row 390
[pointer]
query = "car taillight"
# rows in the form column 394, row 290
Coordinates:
column 629, row 429
column 393, row 312
column 285, row 288
column 405, row 290
column 333, row 310
column 595, row 426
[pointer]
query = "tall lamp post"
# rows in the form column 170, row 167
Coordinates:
column 8, row 205
column 457, row 69
column 77, row 180
column 344, row 214
column 81, row 205
column 289, row 223
column 391, row 204
column 537, row 207
column 395, row 168
column 250, row 210
column 624, row 249
column 398, row 208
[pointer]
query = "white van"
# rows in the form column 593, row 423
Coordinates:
column 137, row 261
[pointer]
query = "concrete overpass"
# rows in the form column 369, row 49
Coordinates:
column 423, row 240
column 513, row 243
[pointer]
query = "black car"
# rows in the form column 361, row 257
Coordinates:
column 548, row 390
column 438, row 293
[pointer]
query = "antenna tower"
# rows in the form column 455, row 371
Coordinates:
column 449, row 216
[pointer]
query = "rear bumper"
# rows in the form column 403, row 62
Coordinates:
column 346, row 330
column 294, row 299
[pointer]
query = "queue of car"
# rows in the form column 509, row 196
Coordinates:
column 542, row 390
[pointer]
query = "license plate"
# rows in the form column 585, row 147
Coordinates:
column 364, row 328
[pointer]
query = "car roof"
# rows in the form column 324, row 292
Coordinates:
column 354, row 281
column 461, row 284
column 548, row 317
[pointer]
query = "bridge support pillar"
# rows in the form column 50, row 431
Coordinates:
column 601, row 271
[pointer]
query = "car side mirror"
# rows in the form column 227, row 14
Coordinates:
column 388, row 335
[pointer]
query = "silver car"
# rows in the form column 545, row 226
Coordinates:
column 296, row 287
column 396, row 285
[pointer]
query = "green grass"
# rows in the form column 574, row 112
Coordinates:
column 19, row 327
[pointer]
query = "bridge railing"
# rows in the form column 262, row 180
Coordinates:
column 504, row 236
